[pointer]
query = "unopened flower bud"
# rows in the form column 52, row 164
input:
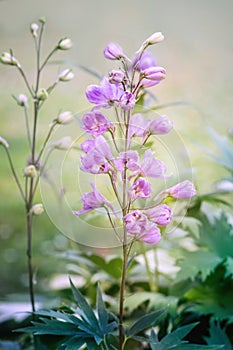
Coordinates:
column 4, row 142
column 22, row 100
column 64, row 143
column 113, row 51
column 64, row 44
column 34, row 29
column 66, row 75
column 42, row 94
column 30, row 171
column 37, row 209
column 116, row 76
column 64, row 118
column 8, row 58
column 154, row 39
column 42, row 20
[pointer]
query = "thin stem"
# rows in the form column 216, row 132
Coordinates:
column 29, row 256
column 112, row 224
column 114, row 141
column 122, row 291
column 118, row 120
column 46, row 140
column 27, row 126
column 14, row 174
column 151, row 282
column 47, row 58
column 115, row 190
column 25, row 80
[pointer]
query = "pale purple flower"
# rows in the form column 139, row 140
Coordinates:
column 116, row 76
column 151, row 234
column 98, row 154
column 127, row 101
column 160, row 126
column 127, row 159
column 95, row 123
column 182, row 190
column 104, row 95
column 144, row 61
column 138, row 125
column 151, row 166
column 160, row 214
column 113, row 51
column 141, row 188
column 152, row 76
column 137, row 224
column 93, row 200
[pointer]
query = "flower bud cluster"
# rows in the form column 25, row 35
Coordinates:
column 128, row 168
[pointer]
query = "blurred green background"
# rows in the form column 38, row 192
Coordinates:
column 197, row 54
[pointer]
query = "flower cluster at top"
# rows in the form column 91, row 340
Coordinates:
column 109, row 149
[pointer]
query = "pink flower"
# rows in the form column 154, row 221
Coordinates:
column 98, row 154
column 138, row 125
column 159, row 126
column 127, row 101
column 93, row 200
column 147, row 60
column 129, row 159
column 95, row 123
column 116, row 76
column 160, row 215
column 141, row 188
column 151, row 166
column 152, row 76
column 104, row 95
column 113, row 51
column 137, row 224
column 182, row 190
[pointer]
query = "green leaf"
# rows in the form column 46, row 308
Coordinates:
column 145, row 322
column 201, row 262
column 101, row 310
column 196, row 347
column 229, row 267
column 52, row 327
column 218, row 336
column 87, row 312
column 175, row 337
column 73, row 343
column 112, row 267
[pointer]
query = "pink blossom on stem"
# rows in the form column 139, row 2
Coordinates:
column 151, row 166
column 152, row 76
column 151, row 234
column 95, row 123
column 160, row 214
column 143, row 61
column 116, row 76
column 104, row 95
column 93, row 200
column 160, row 126
column 138, row 125
column 182, row 190
column 127, row 159
column 127, row 101
column 113, row 51
column 141, row 188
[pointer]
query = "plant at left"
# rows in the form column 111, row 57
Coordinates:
column 31, row 103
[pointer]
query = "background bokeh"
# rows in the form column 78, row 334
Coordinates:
column 197, row 54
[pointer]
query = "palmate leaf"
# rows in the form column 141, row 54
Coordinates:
column 52, row 327
column 145, row 322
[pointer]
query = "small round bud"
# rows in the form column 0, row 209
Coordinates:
column 4, row 142
column 37, row 209
column 42, row 94
column 64, row 44
column 42, row 20
column 66, row 75
column 30, row 171
column 64, row 118
column 22, row 100
column 116, row 76
column 154, row 39
column 34, row 29
column 64, row 143
column 8, row 58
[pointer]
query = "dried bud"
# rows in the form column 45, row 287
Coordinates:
column 64, row 44
column 64, row 143
column 66, row 75
column 22, row 100
column 30, row 171
column 37, row 209
column 4, row 142
column 34, row 29
column 8, row 58
column 42, row 94
column 64, row 118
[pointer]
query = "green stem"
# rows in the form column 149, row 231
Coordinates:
column 152, row 284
